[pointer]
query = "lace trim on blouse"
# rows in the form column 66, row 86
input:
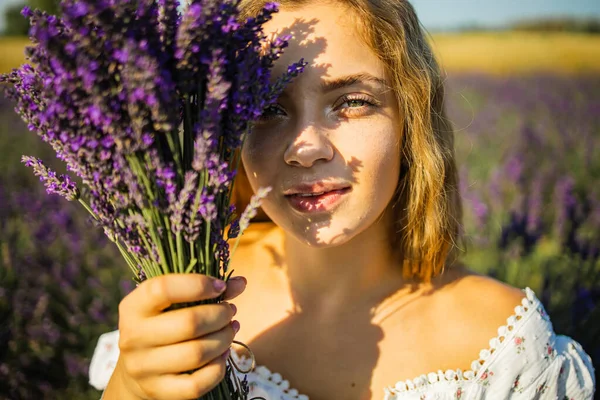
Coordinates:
column 522, row 311
column 274, row 378
column 572, row 377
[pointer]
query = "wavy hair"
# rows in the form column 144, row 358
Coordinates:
column 426, row 207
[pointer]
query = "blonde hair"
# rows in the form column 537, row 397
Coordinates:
column 426, row 207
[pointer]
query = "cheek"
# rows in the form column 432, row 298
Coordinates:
column 261, row 170
column 388, row 167
column 378, row 155
column 262, row 165
column 254, row 159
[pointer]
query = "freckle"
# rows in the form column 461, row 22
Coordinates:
column 353, row 384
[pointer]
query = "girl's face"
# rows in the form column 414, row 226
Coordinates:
column 335, row 129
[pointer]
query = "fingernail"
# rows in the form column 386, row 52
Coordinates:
column 239, row 278
column 219, row 285
column 226, row 354
column 236, row 326
column 233, row 307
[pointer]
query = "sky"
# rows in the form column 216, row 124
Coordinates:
column 452, row 14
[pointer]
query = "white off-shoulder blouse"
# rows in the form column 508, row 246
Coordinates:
column 527, row 360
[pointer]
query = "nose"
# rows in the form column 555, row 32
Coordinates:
column 308, row 147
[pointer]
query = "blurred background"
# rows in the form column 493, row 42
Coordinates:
column 523, row 92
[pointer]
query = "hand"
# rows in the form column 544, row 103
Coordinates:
column 158, row 347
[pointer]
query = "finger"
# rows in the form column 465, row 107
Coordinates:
column 235, row 287
column 182, row 357
column 157, row 294
column 184, row 324
column 207, row 378
column 189, row 386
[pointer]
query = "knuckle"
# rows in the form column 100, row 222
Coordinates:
column 204, row 383
column 191, row 324
column 125, row 309
column 132, row 368
column 126, row 341
column 189, row 331
column 157, row 287
column 136, row 370
column 200, row 353
column 205, row 285
column 198, row 389
column 209, row 318
column 151, row 391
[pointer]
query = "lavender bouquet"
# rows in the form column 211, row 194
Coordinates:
column 148, row 104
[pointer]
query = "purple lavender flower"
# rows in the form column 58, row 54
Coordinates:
column 186, row 195
column 148, row 109
column 55, row 184
column 252, row 209
column 234, row 230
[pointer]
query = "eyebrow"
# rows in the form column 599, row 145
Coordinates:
column 349, row 80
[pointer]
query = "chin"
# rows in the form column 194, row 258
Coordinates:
column 320, row 231
column 324, row 237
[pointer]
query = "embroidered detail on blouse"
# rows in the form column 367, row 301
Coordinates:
column 477, row 372
column 520, row 344
column 549, row 352
column 517, row 387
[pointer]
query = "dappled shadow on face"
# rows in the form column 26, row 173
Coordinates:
column 305, row 43
column 351, row 170
column 302, row 42
column 312, row 354
column 330, row 357
column 348, row 172
column 327, row 358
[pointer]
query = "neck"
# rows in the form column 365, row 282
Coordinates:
column 336, row 280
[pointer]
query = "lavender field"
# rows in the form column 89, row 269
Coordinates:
column 60, row 279
column 530, row 180
column 529, row 151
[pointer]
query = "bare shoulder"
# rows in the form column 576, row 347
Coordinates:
column 475, row 291
column 474, row 308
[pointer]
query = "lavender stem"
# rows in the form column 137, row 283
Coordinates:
column 179, row 240
column 87, row 207
column 126, row 257
column 175, row 148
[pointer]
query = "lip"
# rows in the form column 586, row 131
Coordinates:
column 316, row 187
column 321, row 203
